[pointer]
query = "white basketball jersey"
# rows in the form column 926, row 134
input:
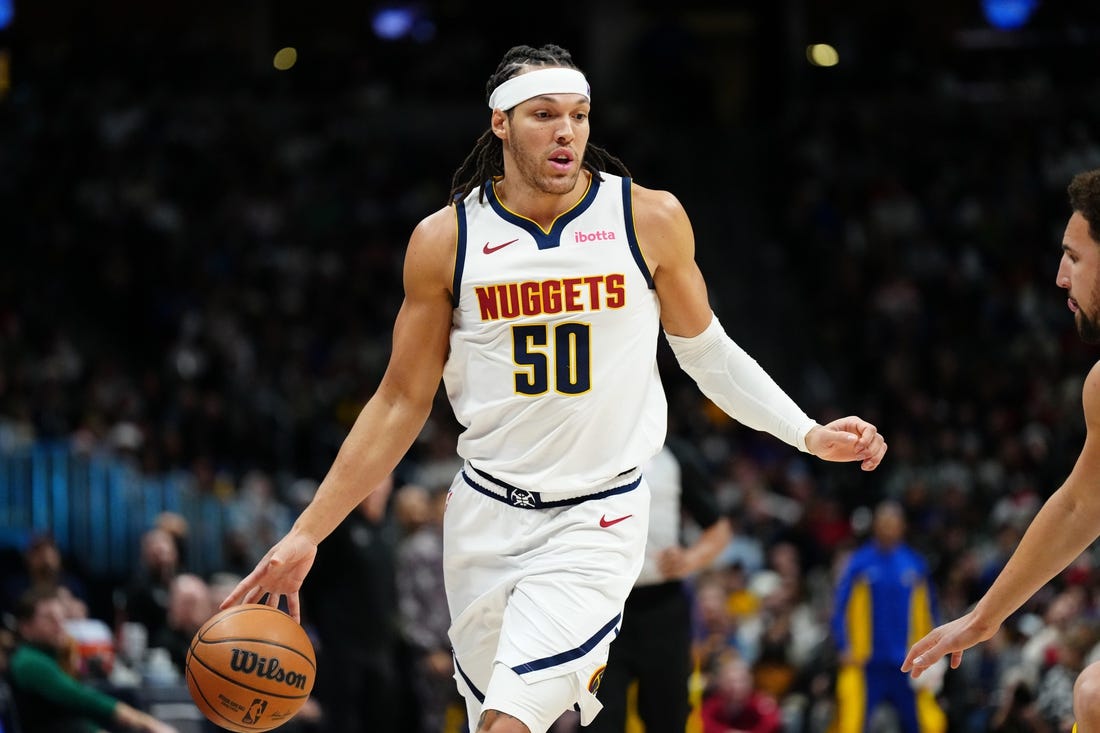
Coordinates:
column 552, row 369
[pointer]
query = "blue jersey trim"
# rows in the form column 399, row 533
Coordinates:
column 552, row 238
column 572, row 654
column 469, row 683
column 631, row 235
column 460, row 252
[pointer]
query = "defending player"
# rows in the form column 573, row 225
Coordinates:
column 537, row 294
column 1069, row 520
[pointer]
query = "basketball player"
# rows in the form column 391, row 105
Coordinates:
column 1069, row 521
column 537, row 295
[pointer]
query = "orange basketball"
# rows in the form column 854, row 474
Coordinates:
column 250, row 668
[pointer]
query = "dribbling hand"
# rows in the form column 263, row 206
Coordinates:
column 280, row 573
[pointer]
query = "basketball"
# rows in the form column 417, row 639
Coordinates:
column 250, row 668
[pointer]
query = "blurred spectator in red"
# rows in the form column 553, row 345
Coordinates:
column 733, row 705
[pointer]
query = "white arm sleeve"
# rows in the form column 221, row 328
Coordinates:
column 735, row 382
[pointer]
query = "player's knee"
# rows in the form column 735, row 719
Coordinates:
column 1086, row 695
column 494, row 721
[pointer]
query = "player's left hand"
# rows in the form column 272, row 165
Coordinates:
column 951, row 638
column 847, row 439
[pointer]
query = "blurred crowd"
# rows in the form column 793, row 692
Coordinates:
column 206, row 274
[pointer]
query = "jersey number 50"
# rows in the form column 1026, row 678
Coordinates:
column 569, row 355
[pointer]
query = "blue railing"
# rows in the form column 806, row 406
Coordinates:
column 98, row 506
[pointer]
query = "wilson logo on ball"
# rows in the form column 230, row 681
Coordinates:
column 267, row 668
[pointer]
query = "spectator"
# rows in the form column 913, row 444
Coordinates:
column 221, row 585
column 423, row 604
column 997, row 688
column 1017, row 711
column 257, row 518
column 267, row 355
column 733, row 705
column 44, row 569
column 179, row 528
column 350, row 600
column 190, row 605
column 1054, row 698
column 715, row 631
column 47, row 697
column 884, row 599
column 1061, row 613
column 146, row 595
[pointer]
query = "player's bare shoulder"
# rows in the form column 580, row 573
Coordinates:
column 654, row 207
column 436, row 231
column 1090, row 396
column 430, row 256
column 1090, row 451
column 663, row 227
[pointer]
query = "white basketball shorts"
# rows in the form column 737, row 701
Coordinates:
column 537, row 583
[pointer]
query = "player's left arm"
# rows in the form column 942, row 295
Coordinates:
column 1066, row 524
column 668, row 245
column 724, row 372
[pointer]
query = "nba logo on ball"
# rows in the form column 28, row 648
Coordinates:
column 250, row 668
column 259, row 705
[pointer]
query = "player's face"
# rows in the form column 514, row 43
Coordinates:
column 545, row 141
column 1079, row 273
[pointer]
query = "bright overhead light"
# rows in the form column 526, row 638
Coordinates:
column 822, row 54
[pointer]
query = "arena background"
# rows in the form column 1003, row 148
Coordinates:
column 201, row 254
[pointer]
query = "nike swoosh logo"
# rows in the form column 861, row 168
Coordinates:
column 605, row 522
column 489, row 250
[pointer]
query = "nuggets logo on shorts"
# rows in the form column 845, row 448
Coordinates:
column 522, row 498
column 595, row 679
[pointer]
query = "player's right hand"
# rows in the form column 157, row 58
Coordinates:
column 280, row 573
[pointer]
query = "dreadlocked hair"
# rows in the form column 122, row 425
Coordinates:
column 486, row 160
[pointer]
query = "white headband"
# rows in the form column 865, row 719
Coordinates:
column 535, row 83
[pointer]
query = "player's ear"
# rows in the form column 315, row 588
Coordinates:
column 499, row 124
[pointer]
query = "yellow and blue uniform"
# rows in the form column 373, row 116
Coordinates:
column 884, row 603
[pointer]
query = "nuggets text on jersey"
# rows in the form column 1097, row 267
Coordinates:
column 533, row 298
